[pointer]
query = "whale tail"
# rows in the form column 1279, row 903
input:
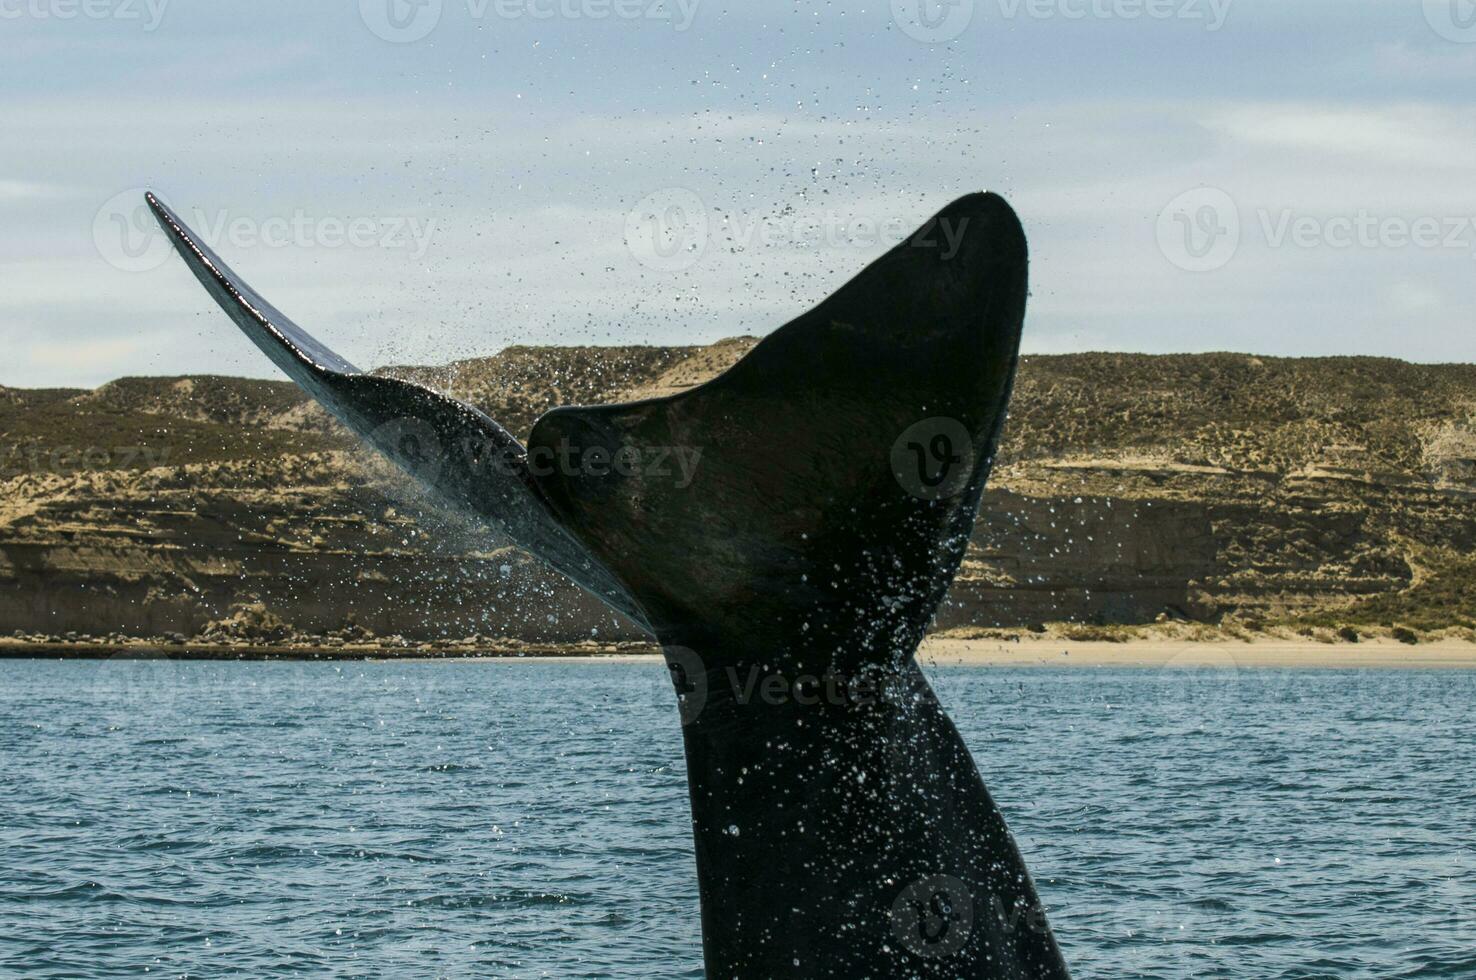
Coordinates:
column 869, row 422
column 466, row 459
column 843, row 456
column 831, row 481
column 842, row 828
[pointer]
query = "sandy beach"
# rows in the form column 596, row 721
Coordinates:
column 1161, row 654
column 1156, row 654
column 937, row 651
column 1380, row 653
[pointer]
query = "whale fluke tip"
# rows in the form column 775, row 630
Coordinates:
column 797, row 519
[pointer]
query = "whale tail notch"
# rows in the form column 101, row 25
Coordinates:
column 877, row 410
column 834, row 477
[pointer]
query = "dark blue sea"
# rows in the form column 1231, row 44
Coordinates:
column 529, row 819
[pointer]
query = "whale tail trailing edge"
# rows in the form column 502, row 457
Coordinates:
column 833, row 481
column 879, row 408
column 466, row 459
column 857, row 436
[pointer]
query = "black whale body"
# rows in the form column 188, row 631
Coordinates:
column 842, row 829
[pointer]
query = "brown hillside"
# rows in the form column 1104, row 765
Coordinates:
column 1222, row 488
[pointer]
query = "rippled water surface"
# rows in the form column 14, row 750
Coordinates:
column 524, row 819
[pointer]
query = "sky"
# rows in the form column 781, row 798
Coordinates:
column 423, row 180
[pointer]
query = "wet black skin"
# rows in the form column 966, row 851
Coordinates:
column 841, row 827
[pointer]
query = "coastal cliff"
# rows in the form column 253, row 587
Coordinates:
column 1219, row 491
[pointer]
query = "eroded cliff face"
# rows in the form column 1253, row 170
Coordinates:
column 1130, row 489
column 268, row 550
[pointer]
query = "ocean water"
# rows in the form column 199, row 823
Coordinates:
column 527, row 819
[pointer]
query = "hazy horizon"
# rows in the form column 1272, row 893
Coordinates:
column 418, row 182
